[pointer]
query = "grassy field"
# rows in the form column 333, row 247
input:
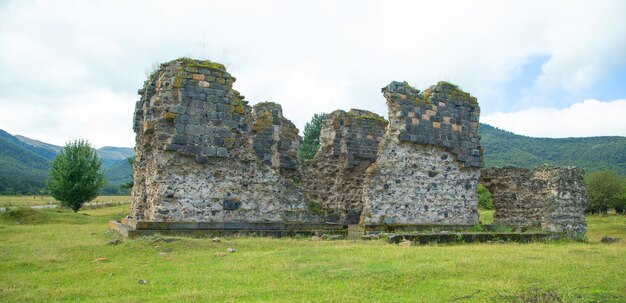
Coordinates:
column 54, row 255
column 16, row 201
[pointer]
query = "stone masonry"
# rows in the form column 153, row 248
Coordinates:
column 348, row 146
column 553, row 198
column 194, row 159
column 203, row 154
column 429, row 162
column 275, row 139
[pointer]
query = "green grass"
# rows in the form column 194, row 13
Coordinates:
column 18, row 201
column 485, row 216
column 54, row 261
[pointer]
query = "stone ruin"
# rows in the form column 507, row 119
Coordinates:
column 553, row 198
column 348, row 146
column 275, row 139
column 195, row 156
column 206, row 160
column 429, row 162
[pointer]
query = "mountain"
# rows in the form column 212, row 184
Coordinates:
column 109, row 155
column 54, row 149
column 23, row 168
column 118, row 173
column 24, row 164
column 502, row 148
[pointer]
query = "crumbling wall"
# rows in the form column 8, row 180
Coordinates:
column 553, row 198
column 204, row 155
column 348, row 146
column 194, row 159
column 429, row 162
column 275, row 139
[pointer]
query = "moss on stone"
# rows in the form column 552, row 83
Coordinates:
column 263, row 122
column 178, row 82
column 194, row 63
column 316, row 208
column 447, row 84
column 426, row 96
column 169, row 116
column 229, row 142
column 267, row 104
column 239, row 109
column 373, row 118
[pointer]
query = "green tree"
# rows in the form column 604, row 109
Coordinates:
column 311, row 141
column 605, row 189
column 129, row 185
column 620, row 202
column 75, row 176
column 485, row 200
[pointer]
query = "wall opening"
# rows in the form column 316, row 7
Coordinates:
column 485, row 205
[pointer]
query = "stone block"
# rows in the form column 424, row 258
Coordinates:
column 222, row 152
column 199, row 77
column 202, row 159
column 179, row 139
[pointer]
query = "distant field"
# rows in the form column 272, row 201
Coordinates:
column 13, row 201
column 53, row 256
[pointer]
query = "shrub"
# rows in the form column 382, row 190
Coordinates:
column 75, row 176
column 485, row 200
column 24, row 215
column 605, row 190
column 311, row 141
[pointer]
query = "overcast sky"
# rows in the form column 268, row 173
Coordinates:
column 71, row 69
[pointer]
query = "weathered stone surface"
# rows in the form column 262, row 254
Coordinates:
column 200, row 165
column 203, row 156
column 442, row 115
column 426, row 173
column 553, row 198
column 348, row 146
column 275, row 138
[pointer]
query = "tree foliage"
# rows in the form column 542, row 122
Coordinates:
column 504, row 148
column 311, row 141
column 75, row 176
column 129, row 185
column 485, row 200
column 605, row 190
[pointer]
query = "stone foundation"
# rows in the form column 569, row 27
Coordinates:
column 553, row 198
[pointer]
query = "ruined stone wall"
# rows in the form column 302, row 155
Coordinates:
column 428, row 169
column 553, row 198
column 275, row 139
column 194, row 159
column 348, row 146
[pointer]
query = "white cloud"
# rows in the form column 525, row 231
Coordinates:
column 103, row 117
column 308, row 56
column 584, row 119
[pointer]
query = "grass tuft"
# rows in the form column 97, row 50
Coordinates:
column 23, row 215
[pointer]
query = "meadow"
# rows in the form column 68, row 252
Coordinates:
column 58, row 255
column 28, row 200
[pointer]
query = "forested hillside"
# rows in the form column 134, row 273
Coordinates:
column 504, row 148
column 24, row 165
column 24, row 162
column 23, row 168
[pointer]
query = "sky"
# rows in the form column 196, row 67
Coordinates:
column 71, row 69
